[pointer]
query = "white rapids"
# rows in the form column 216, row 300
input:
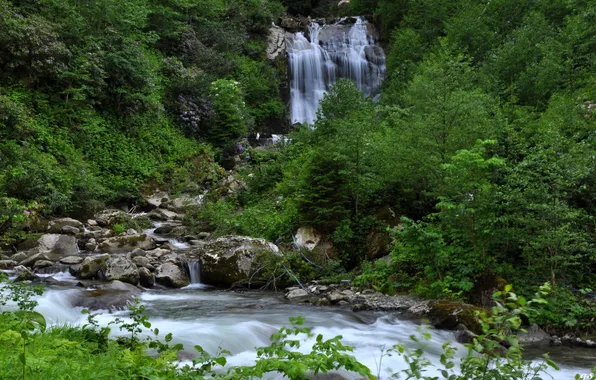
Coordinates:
column 240, row 322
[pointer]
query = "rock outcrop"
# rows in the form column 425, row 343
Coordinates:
column 234, row 260
column 171, row 275
column 121, row 269
column 126, row 243
column 55, row 246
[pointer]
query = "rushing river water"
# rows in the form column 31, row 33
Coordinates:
column 239, row 322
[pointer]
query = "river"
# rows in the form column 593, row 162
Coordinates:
column 241, row 321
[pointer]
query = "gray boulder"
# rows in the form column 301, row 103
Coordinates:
column 23, row 273
column 31, row 260
column 164, row 215
column 55, row 246
column 171, row 275
column 121, row 269
column 71, row 260
column 19, row 256
column 91, row 265
column 297, row 295
column 70, row 230
column 142, row 262
column 121, row 244
column 113, row 296
column 534, row 335
column 57, row 225
column 146, row 278
column 107, row 218
column 8, row 264
column 231, row 260
column 40, row 264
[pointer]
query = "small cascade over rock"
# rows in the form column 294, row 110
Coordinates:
column 194, row 271
column 333, row 52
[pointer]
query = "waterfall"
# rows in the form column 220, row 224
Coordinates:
column 333, row 52
column 194, row 271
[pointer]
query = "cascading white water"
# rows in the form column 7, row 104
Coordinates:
column 194, row 271
column 239, row 322
column 333, row 52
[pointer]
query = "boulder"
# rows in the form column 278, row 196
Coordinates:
column 447, row 314
column 91, row 265
column 23, row 274
column 57, row 225
column 297, row 295
column 8, row 264
column 171, row 275
column 164, row 215
column 113, row 296
column 91, row 245
column 534, row 335
column 137, row 252
column 40, row 264
column 142, row 262
column 107, row 218
column 70, row 230
column 55, row 246
column 183, row 202
column 19, row 256
column 307, row 238
column 31, row 260
column 231, row 260
column 146, row 278
column 155, row 200
column 71, row 260
column 377, row 244
column 121, row 244
column 121, row 269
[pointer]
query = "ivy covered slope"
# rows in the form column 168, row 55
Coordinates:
column 98, row 99
column 479, row 158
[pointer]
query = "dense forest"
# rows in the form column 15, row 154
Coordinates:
column 476, row 167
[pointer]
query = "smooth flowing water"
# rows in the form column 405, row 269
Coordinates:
column 331, row 52
column 239, row 322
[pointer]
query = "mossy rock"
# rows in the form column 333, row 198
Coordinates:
column 449, row 314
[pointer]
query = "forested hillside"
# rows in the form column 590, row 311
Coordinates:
column 100, row 98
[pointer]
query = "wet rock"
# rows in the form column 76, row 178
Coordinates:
column 91, row 245
column 335, row 297
column 137, row 252
column 534, row 335
column 31, row 260
column 232, row 260
column 447, row 315
column 131, row 231
column 146, row 278
column 23, row 274
column 8, row 264
column 297, row 295
column 121, row 244
column 91, row 222
column 71, row 260
column 463, row 335
column 121, row 269
column 91, row 265
column 58, row 225
column 54, row 246
column 40, row 264
column 171, row 275
column 113, row 296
